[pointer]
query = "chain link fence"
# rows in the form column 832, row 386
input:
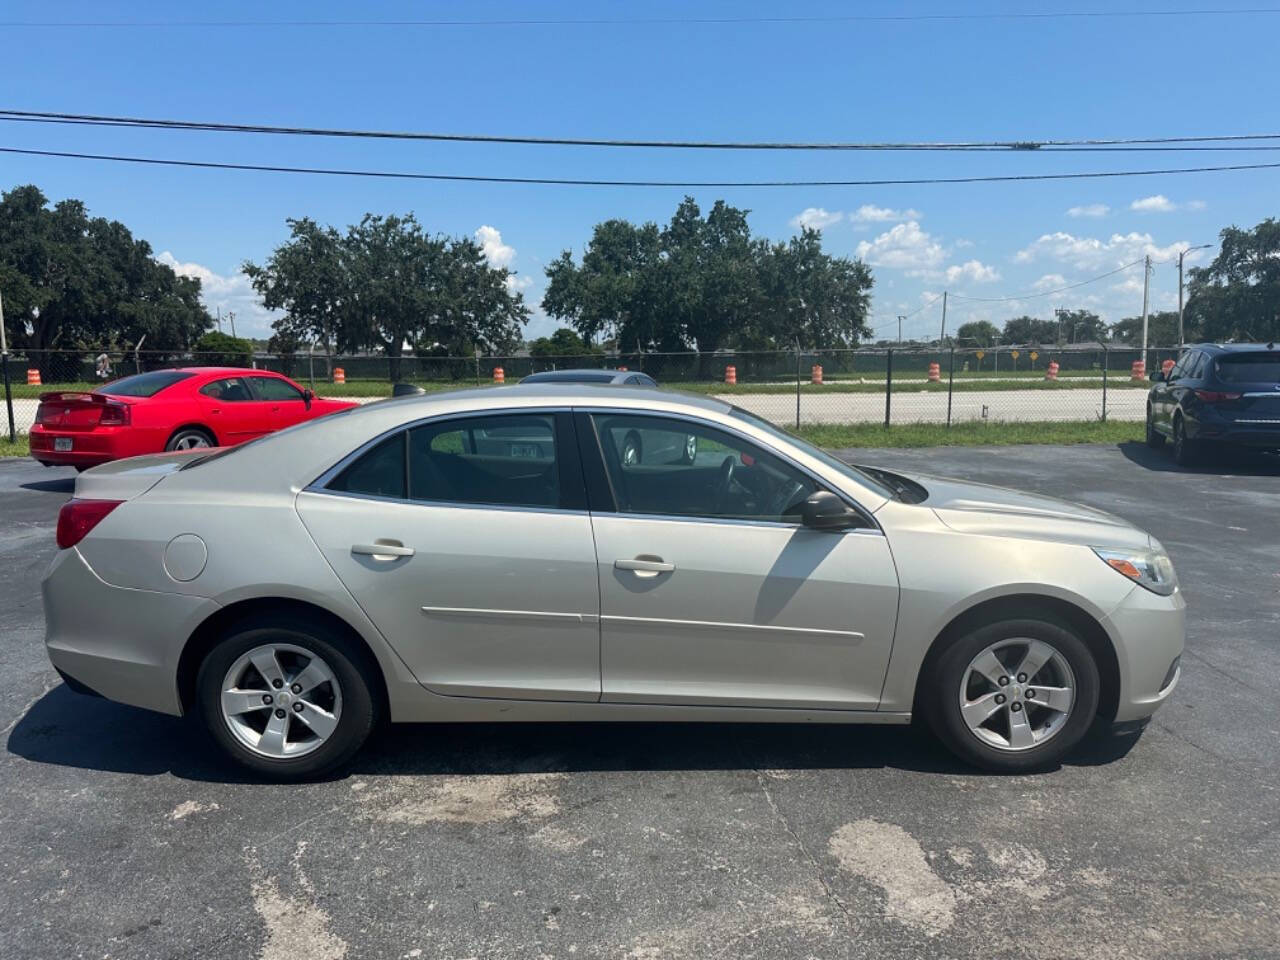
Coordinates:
column 892, row 386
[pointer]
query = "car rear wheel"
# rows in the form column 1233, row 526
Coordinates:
column 1155, row 439
column 288, row 700
column 1186, row 452
column 1013, row 696
column 189, row 438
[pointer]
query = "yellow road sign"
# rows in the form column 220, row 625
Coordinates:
column 1034, row 355
column 1014, row 354
column 980, row 354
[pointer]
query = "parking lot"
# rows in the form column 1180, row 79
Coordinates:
column 124, row 836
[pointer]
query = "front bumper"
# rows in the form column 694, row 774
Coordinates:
column 1149, row 633
column 121, row 643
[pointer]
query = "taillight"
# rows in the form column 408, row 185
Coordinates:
column 114, row 415
column 78, row 517
column 1216, row 396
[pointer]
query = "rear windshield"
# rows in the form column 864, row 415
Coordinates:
column 1250, row 368
column 144, row 384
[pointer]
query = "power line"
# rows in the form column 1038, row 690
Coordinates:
column 586, row 182
column 908, row 316
column 1095, row 144
column 658, row 21
column 1049, row 293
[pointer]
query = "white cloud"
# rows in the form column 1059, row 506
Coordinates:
column 974, row 270
column 230, row 293
column 904, row 247
column 870, row 213
column 816, row 218
column 1158, row 203
column 1050, row 281
column 496, row 252
column 1089, row 210
column 1091, row 253
column 1194, row 205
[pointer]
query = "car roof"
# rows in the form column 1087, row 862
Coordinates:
column 1218, row 348
column 581, row 375
column 553, row 393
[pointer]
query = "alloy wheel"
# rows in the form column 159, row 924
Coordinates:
column 1017, row 693
column 281, row 701
column 190, row 441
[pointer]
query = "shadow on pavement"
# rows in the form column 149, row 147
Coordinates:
column 60, row 485
column 1229, row 460
column 71, row 730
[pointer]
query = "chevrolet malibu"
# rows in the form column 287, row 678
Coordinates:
column 490, row 555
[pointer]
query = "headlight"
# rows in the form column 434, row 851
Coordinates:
column 1149, row 568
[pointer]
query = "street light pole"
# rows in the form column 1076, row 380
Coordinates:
column 1182, row 338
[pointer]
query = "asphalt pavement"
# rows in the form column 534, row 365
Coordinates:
column 124, row 836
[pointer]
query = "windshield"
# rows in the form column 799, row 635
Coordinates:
column 846, row 469
column 1250, row 368
column 144, row 384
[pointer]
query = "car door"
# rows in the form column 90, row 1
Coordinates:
column 284, row 402
column 232, row 409
column 711, row 592
column 467, row 542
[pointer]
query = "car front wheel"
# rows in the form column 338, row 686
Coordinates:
column 1013, row 696
column 289, row 700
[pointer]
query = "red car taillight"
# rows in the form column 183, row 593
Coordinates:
column 78, row 517
column 114, row 415
column 1216, row 396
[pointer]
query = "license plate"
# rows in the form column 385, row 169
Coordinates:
column 62, row 444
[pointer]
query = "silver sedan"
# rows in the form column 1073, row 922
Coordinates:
column 493, row 555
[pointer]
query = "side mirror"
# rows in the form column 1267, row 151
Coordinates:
column 825, row 511
column 307, row 397
column 1157, row 376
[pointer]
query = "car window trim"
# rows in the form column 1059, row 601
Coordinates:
column 863, row 513
column 320, row 483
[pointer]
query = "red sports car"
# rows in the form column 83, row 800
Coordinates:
column 169, row 410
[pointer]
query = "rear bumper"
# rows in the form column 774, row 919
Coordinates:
column 1150, row 632
column 120, row 643
column 88, row 448
column 1261, row 432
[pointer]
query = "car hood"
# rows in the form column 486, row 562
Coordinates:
column 979, row 508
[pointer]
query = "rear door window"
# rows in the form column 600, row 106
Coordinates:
column 228, row 390
column 378, row 473
column 504, row 460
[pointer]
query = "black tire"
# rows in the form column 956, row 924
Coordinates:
column 182, row 439
column 690, row 452
column 632, row 445
column 351, row 667
column 1186, row 452
column 1155, row 439
column 940, row 696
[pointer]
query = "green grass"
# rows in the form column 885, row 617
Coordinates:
column 17, row 449
column 970, row 434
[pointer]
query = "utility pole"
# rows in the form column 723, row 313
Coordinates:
column 4, row 360
column 219, row 319
column 900, row 319
column 1182, row 338
column 231, row 315
column 943, row 335
column 1146, row 298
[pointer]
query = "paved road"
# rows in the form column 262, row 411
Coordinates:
column 122, row 836
column 1082, row 403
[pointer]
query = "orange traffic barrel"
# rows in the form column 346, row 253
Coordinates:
column 730, row 374
column 1166, row 367
column 499, row 375
column 935, row 373
column 1139, row 370
column 815, row 374
column 1051, row 373
column 33, row 377
column 339, row 375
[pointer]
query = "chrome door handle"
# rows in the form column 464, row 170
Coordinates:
column 650, row 566
column 383, row 550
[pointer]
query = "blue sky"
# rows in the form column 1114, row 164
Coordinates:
column 921, row 80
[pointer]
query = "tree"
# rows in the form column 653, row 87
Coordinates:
column 388, row 284
column 72, row 282
column 563, row 343
column 1162, row 330
column 978, row 333
column 1080, row 326
column 1237, row 297
column 706, row 282
column 223, row 350
column 1030, row 331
